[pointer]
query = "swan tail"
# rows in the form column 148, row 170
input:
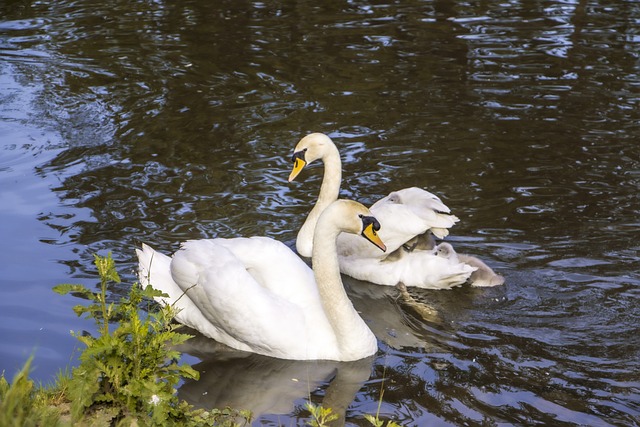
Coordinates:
column 154, row 268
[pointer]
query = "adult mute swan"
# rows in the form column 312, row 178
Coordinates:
column 408, row 217
column 255, row 294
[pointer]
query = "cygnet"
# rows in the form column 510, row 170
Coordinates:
column 483, row 276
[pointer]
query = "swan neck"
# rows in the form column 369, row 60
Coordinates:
column 329, row 191
column 350, row 330
column 330, row 188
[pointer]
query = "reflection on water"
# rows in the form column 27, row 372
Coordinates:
column 161, row 121
column 270, row 388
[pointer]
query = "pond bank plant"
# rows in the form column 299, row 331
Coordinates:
column 131, row 369
column 127, row 374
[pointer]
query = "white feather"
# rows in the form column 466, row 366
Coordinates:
column 404, row 215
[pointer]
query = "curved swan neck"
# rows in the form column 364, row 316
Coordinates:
column 330, row 187
column 351, row 331
column 329, row 191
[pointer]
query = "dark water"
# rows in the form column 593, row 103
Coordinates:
column 159, row 121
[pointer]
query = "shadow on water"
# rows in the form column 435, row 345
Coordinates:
column 162, row 121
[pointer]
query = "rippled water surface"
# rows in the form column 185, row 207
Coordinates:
column 159, row 121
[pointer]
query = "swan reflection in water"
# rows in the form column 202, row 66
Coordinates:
column 268, row 386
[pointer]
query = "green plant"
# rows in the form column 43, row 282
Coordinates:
column 376, row 421
column 320, row 416
column 227, row 417
column 23, row 405
column 132, row 368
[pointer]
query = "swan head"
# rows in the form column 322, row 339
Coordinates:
column 370, row 228
column 445, row 250
column 355, row 218
column 310, row 148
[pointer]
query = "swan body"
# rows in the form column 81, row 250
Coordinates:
column 255, row 294
column 408, row 217
column 421, row 269
column 483, row 274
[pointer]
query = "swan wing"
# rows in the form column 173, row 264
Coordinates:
column 249, row 303
column 274, row 265
column 414, row 211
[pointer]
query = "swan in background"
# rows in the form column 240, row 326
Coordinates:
column 483, row 276
column 255, row 294
column 408, row 217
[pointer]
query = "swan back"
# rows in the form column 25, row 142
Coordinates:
column 255, row 307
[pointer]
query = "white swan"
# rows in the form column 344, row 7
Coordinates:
column 255, row 294
column 408, row 218
column 483, row 276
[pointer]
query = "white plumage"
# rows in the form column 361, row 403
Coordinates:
column 407, row 217
column 255, row 294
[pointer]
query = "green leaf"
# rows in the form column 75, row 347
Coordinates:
column 150, row 292
column 66, row 288
column 81, row 309
column 373, row 420
column 188, row 372
column 77, row 289
column 106, row 267
column 82, row 388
